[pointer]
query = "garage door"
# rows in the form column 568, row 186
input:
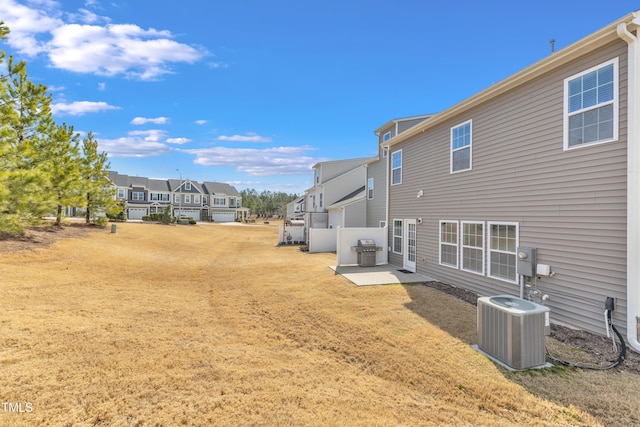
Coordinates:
column 224, row 216
column 193, row 213
column 137, row 213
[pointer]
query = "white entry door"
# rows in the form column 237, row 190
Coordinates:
column 409, row 257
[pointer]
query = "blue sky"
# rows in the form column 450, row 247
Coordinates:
column 255, row 92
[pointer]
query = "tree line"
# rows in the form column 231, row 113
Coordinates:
column 266, row 204
column 44, row 166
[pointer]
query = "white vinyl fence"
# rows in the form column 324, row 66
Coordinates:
column 347, row 238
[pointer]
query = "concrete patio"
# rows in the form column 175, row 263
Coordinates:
column 379, row 275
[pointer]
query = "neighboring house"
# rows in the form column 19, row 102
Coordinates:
column 376, row 180
column 202, row 201
column 548, row 158
column 223, row 202
column 335, row 199
column 350, row 211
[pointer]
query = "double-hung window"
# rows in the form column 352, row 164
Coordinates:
column 473, row 247
column 396, row 167
column 137, row 195
column 461, row 147
column 370, row 188
column 503, row 243
column 397, row 236
column 449, row 243
column 591, row 106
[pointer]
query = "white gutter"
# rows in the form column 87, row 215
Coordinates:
column 633, row 179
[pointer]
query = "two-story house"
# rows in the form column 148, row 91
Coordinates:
column 548, row 158
column 376, row 179
column 208, row 201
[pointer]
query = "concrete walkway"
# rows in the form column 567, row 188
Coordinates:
column 379, row 275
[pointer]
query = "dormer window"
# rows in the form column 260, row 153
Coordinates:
column 187, row 186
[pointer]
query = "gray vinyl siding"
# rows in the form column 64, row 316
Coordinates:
column 570, row 205
column 376, row 207
column 406, row 124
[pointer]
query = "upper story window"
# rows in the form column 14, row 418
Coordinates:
column 137, row 195
column 187, row 186
column 232, row 202
column 317, row 174
column 204, row 199
column 196, row 198
column 320, row 199
column 218, row 201
column 461, row 147
column 386, row 136
column 160, row 196
column 121, row 193
column 187, row 198
column 396, row 167
column 591, row 106
column 370, row 188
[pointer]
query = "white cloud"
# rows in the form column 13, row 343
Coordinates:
column 179, row 141
column 80, row 108
column 258, row 162
column 201, row 122
column 109, row 50
column 102, row 86
column 250, row 137
column 152, row 135
column 132, row 146
column 145, row 120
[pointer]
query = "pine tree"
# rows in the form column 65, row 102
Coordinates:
column 99, row 194
column 62, row 169
column 25, row 118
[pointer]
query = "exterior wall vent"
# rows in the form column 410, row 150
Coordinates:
column 512, row 330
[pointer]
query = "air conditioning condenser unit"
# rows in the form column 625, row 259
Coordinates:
column 512, row 330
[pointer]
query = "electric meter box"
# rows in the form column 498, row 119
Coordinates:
column 526, row 261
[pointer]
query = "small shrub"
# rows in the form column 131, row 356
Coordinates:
column 101, row 221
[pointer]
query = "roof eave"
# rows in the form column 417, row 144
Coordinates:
column 557, row 59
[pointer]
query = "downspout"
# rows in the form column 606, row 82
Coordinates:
column 633, row 180
column 388, row 190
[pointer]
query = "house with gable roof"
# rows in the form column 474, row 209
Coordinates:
column 549, row 159
column 207, row 201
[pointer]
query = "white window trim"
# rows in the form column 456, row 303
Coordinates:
column 370, row 188
column 386, row 136
column 451, row 150
column 176, row 198
column 440, row 243
column 400, row 167
column 187, row 186
column 489, row 250
column 615, row 102
column 463, row 246
column 187, row 198
column 393, row 236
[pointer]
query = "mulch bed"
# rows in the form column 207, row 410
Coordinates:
column 600, row 348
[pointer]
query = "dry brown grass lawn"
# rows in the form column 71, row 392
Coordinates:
column 215, row 325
